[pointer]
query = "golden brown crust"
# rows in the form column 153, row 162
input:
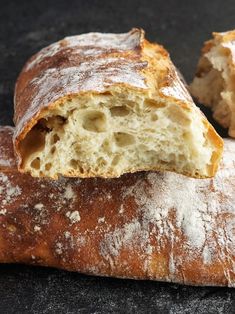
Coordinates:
column 69, row 66
column 96, row 63
column 145, row 226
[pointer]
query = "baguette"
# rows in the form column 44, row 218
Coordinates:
column 101, row 105
column 158, row 226
column 213, row 84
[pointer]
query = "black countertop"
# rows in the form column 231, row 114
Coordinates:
column 25, row 27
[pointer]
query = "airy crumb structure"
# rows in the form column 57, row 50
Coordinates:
column 213, row 84
column 105, row 104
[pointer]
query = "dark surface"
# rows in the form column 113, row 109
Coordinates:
column 25, row 27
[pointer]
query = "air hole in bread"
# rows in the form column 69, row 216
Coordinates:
column 124, row 139
column 36, row 163
column 154, row 117
column 94, row 121
column 119, row 111
column 33, row 142
column 106, row 146
column 55, row 139
column 152, row 104
column 186, row 136
column 74, row 163
column 53, row 149
column 106, row 93
column 181, row 157
column 101, row 161
column 81, row 170
column 48, row 166
column 54, row 122
column 116, row 160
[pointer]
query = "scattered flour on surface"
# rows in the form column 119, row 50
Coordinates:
column 101, row 219
column 59, row 248
column 121, row 210
column 39, row 206
column 119, row 238
column 98, row 42
column 73, row 216
column 177, row 210
column 69, row 193
column 5, row 162
column 67, row 234
column 8, row 192
column 37, row 228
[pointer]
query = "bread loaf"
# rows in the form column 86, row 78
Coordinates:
column 213, row 84
column 100, row 105
column 159, row 226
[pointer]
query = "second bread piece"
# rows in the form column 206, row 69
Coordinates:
column 106, row 104
column 213, row 84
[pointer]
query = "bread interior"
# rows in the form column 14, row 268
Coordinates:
column 109, row 134
column 214, row 86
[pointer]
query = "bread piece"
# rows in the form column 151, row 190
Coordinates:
column 213, row 84
column 159, row 226
column 100, row 105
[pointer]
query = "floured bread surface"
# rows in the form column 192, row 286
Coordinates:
column 100, row 105
column 147, row 225
column 7, row 158
column 213, row 84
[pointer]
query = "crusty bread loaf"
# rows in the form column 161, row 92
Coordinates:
column 100, row 105
column 213, row 84
column 160, row 226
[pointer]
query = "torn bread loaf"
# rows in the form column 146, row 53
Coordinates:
column 158, row 226
column 100, row 105
column 213, row 84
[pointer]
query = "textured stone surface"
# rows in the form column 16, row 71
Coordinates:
column 27, row 26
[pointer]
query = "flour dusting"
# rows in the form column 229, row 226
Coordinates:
column 89, row 43
column 39, row 206
column 69, row 193
column 169, row 206
column 73, row 216
column 8, row 192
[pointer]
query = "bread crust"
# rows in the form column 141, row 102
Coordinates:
column 120, row 62
column 163, row 227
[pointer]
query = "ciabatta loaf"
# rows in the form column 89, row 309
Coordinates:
column 213, row 84
column 159, row 226
column 100, row 105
